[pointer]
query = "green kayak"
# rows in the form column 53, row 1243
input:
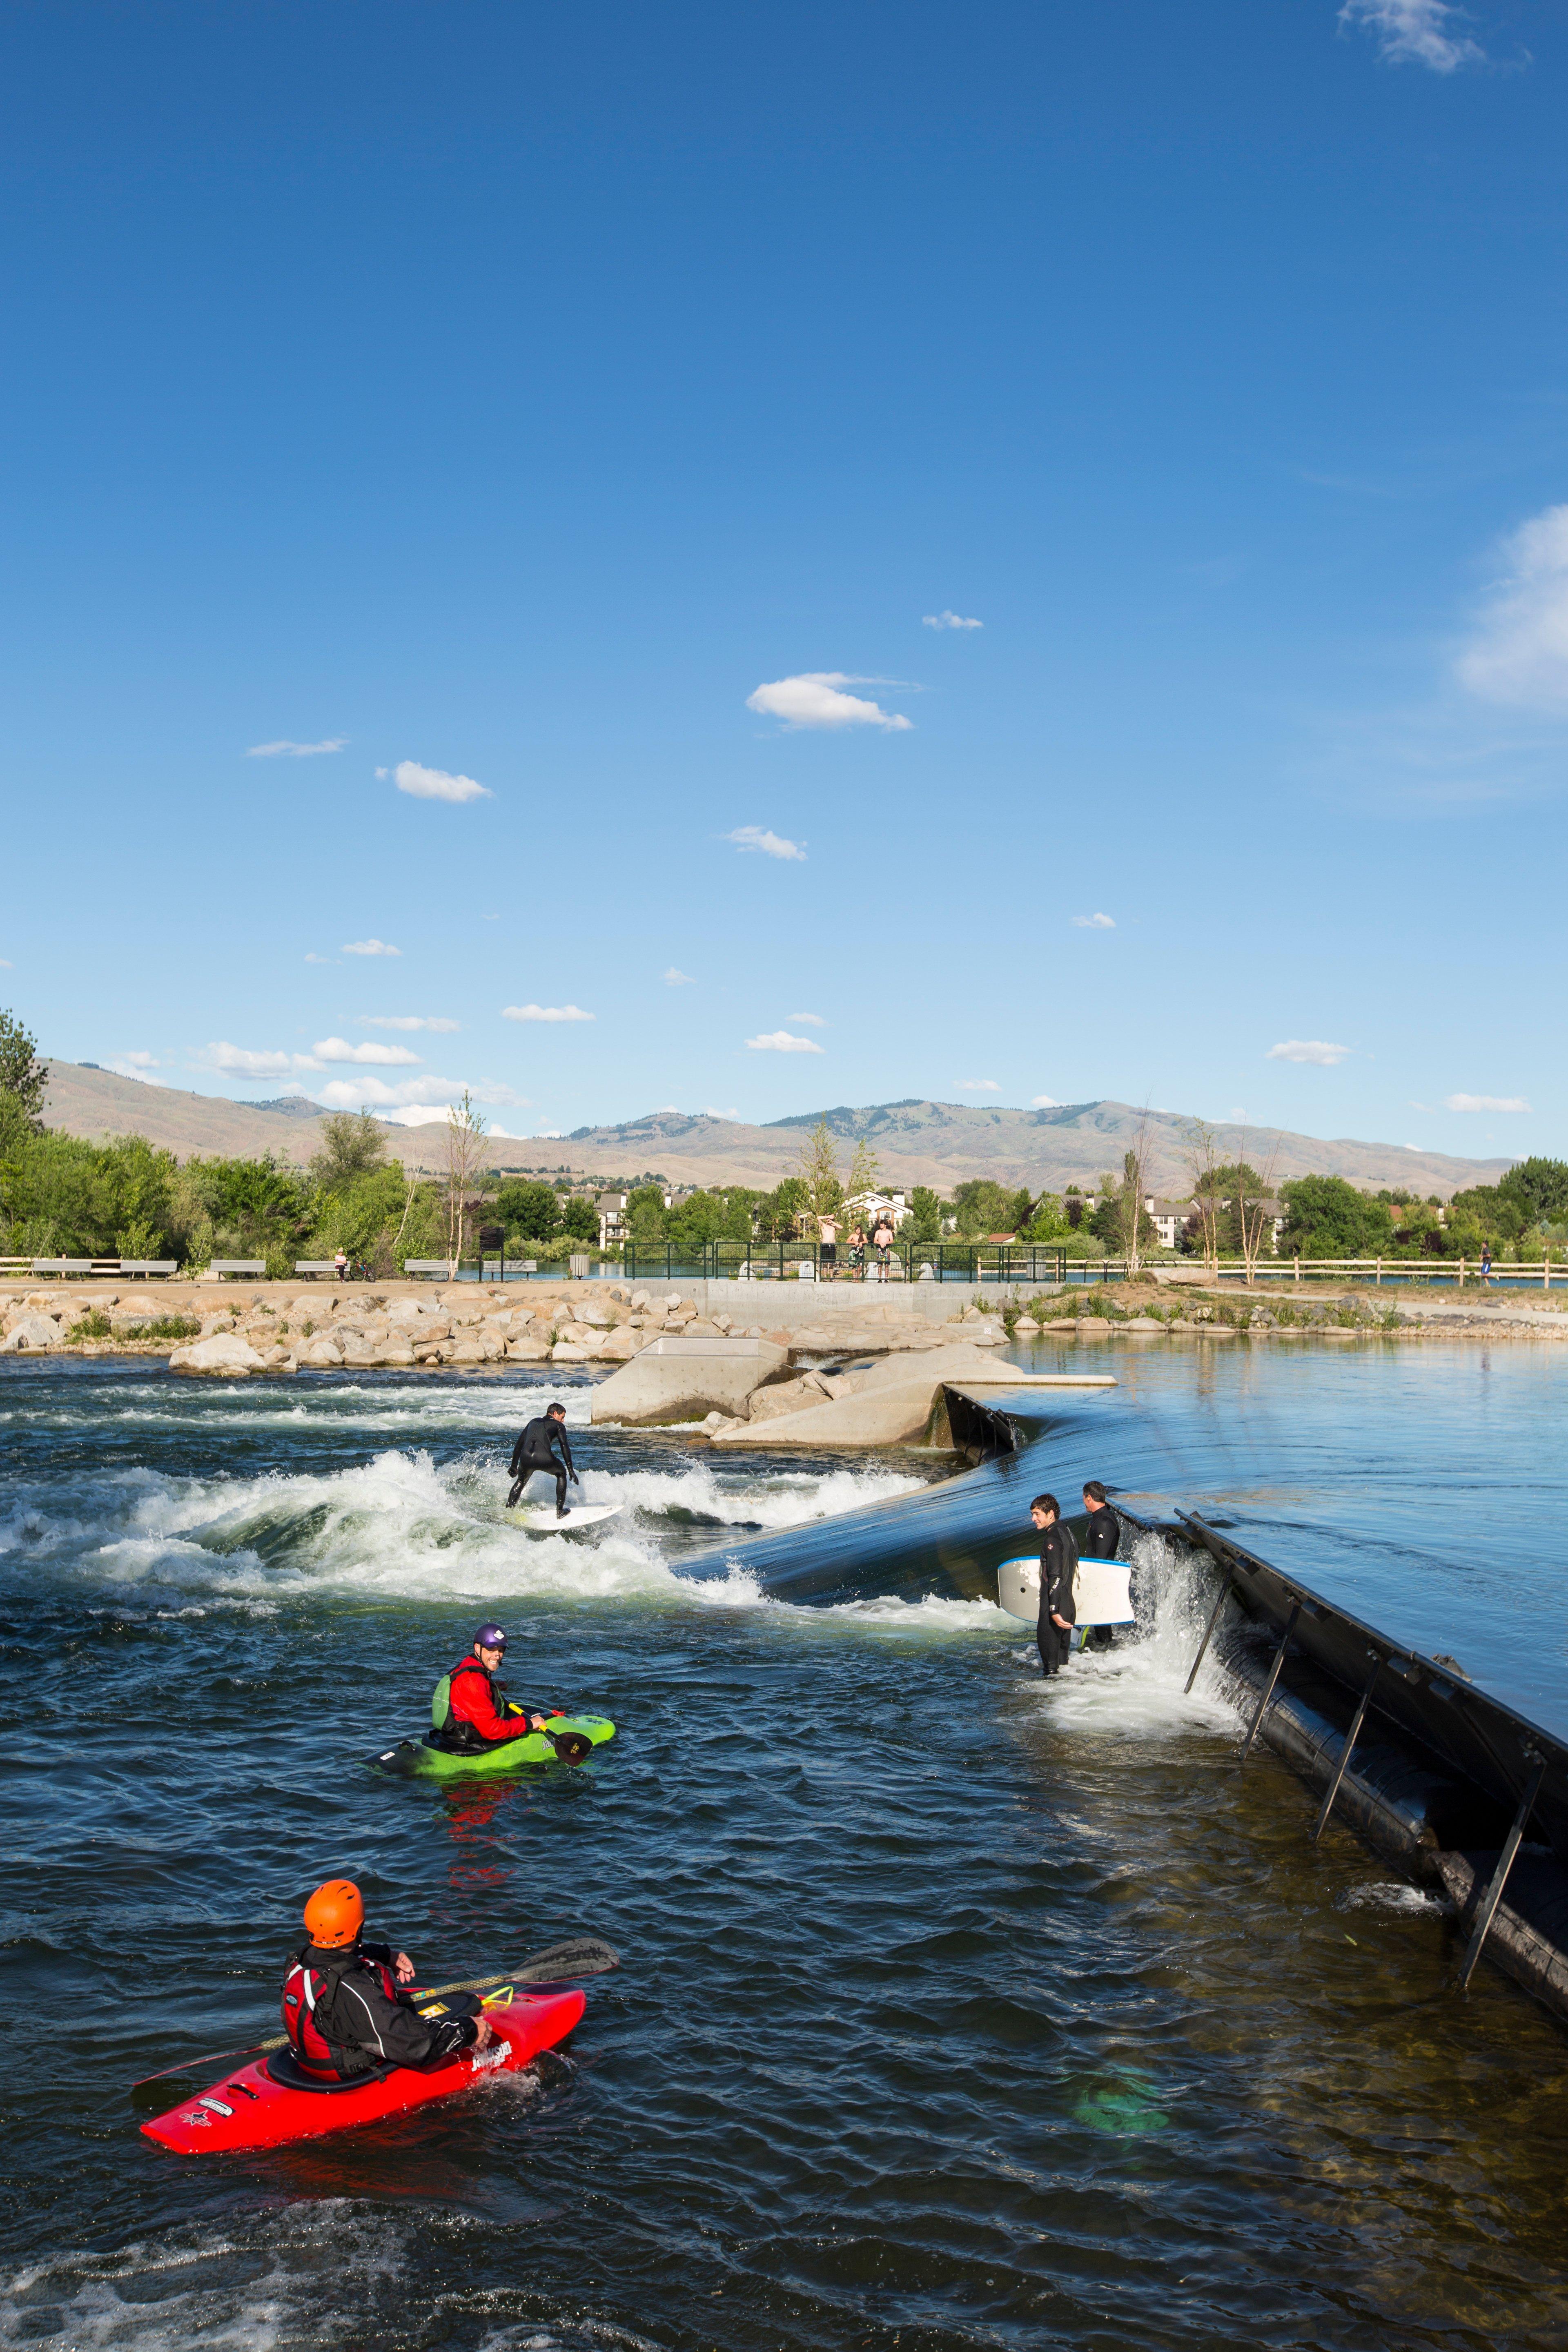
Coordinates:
column 420, row 1760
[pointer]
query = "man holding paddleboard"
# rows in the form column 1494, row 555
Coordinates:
column 1058, row 1559
column 545, row 1445
column 341, row 2008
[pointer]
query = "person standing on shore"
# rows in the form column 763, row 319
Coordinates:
column 882, row 1242
column 1486, row 1266
column 827, row 1254
column 1058, row 1559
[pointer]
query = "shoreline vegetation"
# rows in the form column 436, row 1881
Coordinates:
column 63, row 1197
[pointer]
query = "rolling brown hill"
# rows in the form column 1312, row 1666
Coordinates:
column 916, row 1142
column 941, row 1144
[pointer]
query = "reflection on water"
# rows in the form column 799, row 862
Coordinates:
column 955, row 2011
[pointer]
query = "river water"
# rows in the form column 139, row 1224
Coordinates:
column 953, row 2011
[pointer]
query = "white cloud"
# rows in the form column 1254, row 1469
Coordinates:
column 772, row 845
column 6, row 964
column 1094, row 922
column 313, row 958
column 1044, row 1102
column 406, row 1020
column 134, row 1066
column 1520, row 651
column 1415, row 32
column 779, row 1041
column 813, row 699
column 431, row 1096
column 545, row 1012
column 384, row 1057
column 246, row 1062
column 710, row 1113
column 369, row 947
column 287, row 750
column 1485, row 1102
column 810, row 1019
column 675, row 978
column 948, row 621
column 1315, row 1050
column 436, row 784
column 978, row 1086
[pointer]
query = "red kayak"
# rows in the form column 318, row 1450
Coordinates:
column 269, row 2104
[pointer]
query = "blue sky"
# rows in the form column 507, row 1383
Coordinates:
column 600, row 406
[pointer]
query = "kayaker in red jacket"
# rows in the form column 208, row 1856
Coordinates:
column 478, row 1709
column 342, row 2010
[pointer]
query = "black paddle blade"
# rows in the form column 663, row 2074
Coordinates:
column 571, row 1747
column 580, row 1955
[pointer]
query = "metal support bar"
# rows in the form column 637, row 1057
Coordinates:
column 1351, row 1736
column 1273, row 1677
column 1493, row 1895
column 1208, row 1630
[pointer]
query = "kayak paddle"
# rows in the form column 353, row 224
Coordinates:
column 580, row 1955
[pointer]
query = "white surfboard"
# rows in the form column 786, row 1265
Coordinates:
column 540, row 1520
column 1099, row 1590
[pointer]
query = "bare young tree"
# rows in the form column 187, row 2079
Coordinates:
column 1252, row 1216
column 1203, row 1173
column 465, row 1155
column 1135, row 1166
column 817, row 1169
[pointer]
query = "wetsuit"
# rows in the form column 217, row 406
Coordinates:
column 1058, row 1559
column 344, row 2015
column 1102, row 1533
column 536, row 1450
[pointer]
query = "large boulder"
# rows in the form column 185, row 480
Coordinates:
column 223, row 1355
column 620, row 1345
column 319, row 1354
column 528, row 1350
column 683, row 1379
column 26, row 1333
column 893, row 1404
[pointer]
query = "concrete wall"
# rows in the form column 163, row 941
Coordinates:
column 783, row 1305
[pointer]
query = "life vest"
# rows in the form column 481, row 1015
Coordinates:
column 307, row 1989
column 454, row 1732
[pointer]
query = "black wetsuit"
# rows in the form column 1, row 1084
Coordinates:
column 1058, row 1559
column 536, row 1450
column 1102, row 1533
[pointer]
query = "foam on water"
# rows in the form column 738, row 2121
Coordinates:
column 402, row 1524
column 1139, row 1686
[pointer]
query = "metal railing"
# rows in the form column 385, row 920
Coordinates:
column 973, row 1261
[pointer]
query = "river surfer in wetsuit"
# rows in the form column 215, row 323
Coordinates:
column 341, row 2008
column 1103, row 1530
column 545, row 1445
column 1058, row 1559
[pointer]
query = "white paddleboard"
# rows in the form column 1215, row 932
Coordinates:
column 540, row 1519
column 1099, row 1590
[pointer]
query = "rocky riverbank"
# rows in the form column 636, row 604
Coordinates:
column 279, row 1328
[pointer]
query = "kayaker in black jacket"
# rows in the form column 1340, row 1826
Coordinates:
column 545, row 1445
column 342, row 2010
column 1058, row 1559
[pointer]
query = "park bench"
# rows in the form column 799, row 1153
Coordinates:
column 431, row 1269
column 219, row 1266
column 315, row 1265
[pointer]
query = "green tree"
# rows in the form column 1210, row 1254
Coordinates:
column 779, row 1212
column 1049, row 1221
column 925, row 1216
column 647, row 1218
column 23, row 1078
column 983, row 1206
column 580, row 1220
column 354, row 1144
column 863, row 1172
column 1327, row 1217
column 1538, row 1189
column 818, row 1173
column 531, row 1209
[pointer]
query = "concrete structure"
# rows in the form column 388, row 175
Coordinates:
column 684, row 1380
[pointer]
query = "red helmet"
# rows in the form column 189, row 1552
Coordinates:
column 334, row 1915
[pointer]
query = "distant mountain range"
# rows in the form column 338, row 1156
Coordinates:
column 916, row 1142
column 942, row 1144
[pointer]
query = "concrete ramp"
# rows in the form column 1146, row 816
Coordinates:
column 686, row 1380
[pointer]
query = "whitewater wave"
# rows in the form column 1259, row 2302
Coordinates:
column 401, row 1525
column 1138, row 1684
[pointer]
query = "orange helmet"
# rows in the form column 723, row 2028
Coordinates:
column 334, row 1915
